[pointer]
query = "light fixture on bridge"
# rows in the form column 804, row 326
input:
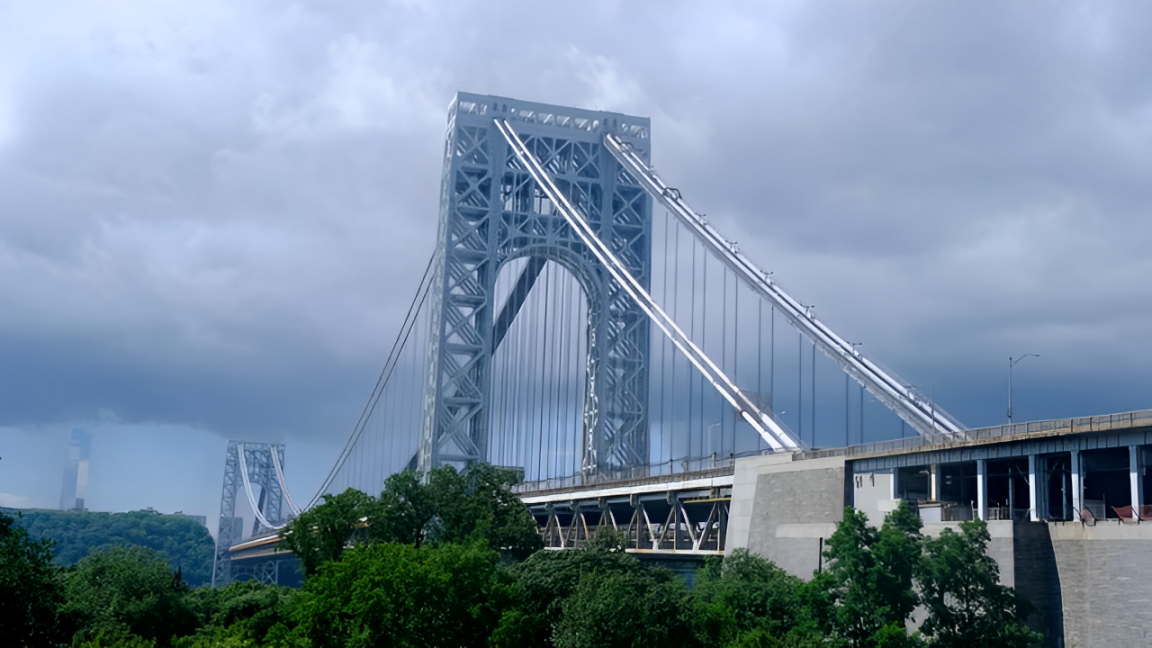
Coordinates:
column 1012, row 363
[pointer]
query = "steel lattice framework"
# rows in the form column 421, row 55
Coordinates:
column 492, row 212
column 244, row 465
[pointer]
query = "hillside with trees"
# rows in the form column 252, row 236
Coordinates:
column 184, row 542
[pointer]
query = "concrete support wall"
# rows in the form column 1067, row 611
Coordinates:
column 1105, row 578
column 1037, row 578
column 874, row 494
column 1091, row 585
column 783, row 509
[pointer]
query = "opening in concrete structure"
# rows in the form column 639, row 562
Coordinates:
column 1057, row 483
column 1107, row 482
column 1008, row 489
column 1144, row 454
column 958, row 490
column 912, row 484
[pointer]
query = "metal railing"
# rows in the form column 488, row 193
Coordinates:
column 1005, row 513
column 669, row 471
column 1052, row 427
column 677, row 468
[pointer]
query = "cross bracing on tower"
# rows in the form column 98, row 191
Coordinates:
column 249, row 465
column 579, row 323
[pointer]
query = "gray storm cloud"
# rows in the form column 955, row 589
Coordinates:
column 216, row 215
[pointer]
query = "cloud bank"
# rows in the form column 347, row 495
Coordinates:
column 214, row 215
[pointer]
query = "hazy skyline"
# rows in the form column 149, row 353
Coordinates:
column 213, row 215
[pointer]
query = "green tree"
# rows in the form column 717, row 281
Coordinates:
column 185, row 543
column 633, row 608
column 406, row 508
column 743, row 596
column 852, row 575
column 898, row 551
column 241, row 611
column 323, row 532
column 895, row 635
column 450, row 507
column 30, row 588
column 480, row 505
column 128, row 590
column 871, row 575
column 548, row 578
column 967, row 605
column 398, row 595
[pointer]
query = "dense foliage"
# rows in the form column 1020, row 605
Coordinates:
column 449, row 507
column 449, row 562
column 31, row 590
column 184, row 542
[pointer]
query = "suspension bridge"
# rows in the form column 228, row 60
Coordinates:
column 579, row 322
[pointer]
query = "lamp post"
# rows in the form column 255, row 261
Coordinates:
column 1012, row 363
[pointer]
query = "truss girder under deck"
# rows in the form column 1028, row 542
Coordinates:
column 690, row 522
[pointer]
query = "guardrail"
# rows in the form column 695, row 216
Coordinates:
column 672, row 471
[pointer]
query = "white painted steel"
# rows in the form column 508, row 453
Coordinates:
column 248, row 489
column 920, row 413
column 283, row 484
column 769, row 429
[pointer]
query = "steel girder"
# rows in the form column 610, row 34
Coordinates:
column 492, row 212
column 672, row 522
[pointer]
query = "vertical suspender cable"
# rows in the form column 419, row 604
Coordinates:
column 768, row 428
column 888, row 388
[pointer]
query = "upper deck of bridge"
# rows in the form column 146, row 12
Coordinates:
column 721, row 475
column 1052, row 430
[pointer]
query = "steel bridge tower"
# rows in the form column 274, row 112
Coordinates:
column 254, row 463
column 492, row 212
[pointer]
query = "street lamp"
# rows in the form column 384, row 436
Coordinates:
column 1012, row 363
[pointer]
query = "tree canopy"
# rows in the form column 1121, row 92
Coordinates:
column 448, row 508
column 454, row 560
column 31, row 589
column 184, row 542
column 961, row 590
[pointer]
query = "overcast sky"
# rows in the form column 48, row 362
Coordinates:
column 213, row 215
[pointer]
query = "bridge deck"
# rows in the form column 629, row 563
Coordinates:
column 1124, row 422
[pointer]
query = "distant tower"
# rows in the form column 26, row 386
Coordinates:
column 247, row 465
column 76, row 472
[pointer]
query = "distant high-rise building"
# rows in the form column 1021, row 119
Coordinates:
column 76, row 472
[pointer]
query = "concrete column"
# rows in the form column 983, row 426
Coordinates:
column 934, row 482
column 982, row 489
column 1077, row 486
column 1033, row 488
column 1134, row 469
column 892, row 484
column 1011, row 495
